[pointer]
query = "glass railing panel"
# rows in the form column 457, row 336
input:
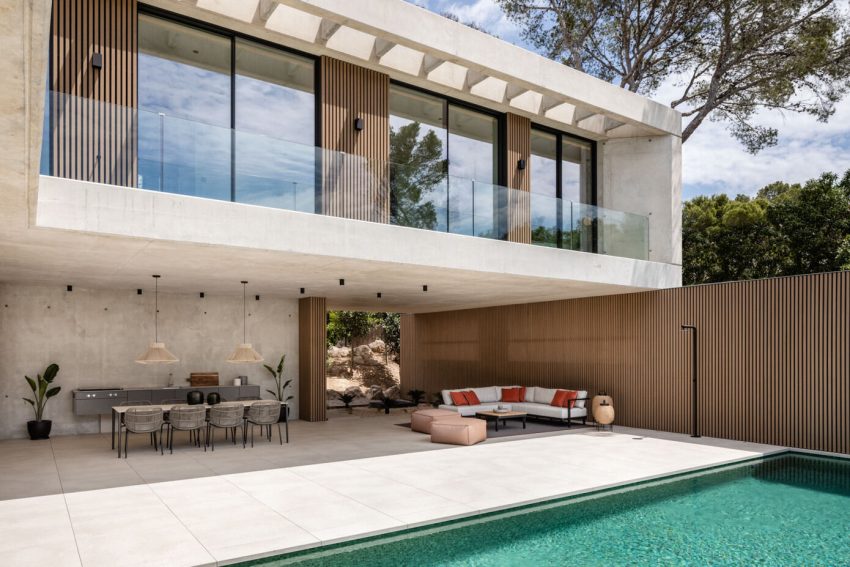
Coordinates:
column 168, row 153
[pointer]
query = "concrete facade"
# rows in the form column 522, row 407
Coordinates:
column 96, row 335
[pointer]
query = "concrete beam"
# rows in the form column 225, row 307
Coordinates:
column 326, row 31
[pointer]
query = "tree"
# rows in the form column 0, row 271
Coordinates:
column 390, row 324
column 785, row 230
column 728, row 59
column 418, row 167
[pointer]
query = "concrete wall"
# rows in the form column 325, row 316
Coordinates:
column 644, row 176
column 95, row 336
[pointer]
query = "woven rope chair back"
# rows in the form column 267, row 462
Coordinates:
column 227, row 414
column 143, row 420
column 187, row 417
column 265, row 412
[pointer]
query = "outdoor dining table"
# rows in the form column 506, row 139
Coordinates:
column 118, row 415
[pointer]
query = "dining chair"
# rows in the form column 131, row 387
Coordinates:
column 139, row 403
column 142, row 420
column 227, row 416
column 265, row 414
column 187, row 418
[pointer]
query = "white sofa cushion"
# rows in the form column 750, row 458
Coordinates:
column 488, row 395
column 581, row 394
column 543, row 395
column 545, row 410
column 529, row 393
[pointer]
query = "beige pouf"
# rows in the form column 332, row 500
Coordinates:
column 459, row 431
column 421, row 420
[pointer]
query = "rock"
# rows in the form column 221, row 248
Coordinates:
column 378, row 346
column 363, row 356
column 331, row 394
column 375, row 393
column 377, row 376
column 355, row 391
column 392, row 393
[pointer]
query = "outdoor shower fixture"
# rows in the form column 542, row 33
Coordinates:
column 694, row 424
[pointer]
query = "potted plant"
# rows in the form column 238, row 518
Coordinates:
column 281, row 385
column 416, row 396
column 40, row 428
column 346, row 399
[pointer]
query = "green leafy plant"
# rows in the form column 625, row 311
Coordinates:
column 280, row 383
column 436, row 400
column 41, row 390
column 416, row 396
column 345, row 399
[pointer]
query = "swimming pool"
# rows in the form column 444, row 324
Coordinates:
column 784, row 510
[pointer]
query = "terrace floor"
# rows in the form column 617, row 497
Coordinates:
column 346, row 478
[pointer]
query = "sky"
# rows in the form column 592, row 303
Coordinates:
column 713, row 161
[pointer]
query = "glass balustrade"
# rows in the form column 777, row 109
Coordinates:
column 98, row 142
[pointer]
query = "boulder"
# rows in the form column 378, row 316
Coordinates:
column 331, row 394
column 363, row 356
column 375, row 393
column 392, row 393
column 355, row 391
column 378, row 346
column 378, row 375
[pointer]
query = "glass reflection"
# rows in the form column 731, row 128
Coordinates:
column 184, row 109
column 275, row 128
column 544, row 188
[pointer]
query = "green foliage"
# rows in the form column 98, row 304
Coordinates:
column 280, row 383
column 726, row 59
column 785, row 230
column 345, row 398
column 41, row 390
column 345, row 326
column 418, row 168
column 416, row 396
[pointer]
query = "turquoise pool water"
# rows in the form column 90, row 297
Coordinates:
column 788, row 510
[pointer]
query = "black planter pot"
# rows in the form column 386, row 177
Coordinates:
column 39, row 429
column 195, row 397
column 213, row 398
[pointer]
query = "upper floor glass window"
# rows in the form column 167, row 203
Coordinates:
column 444, row 165
column 235, row 128
column 561, row 191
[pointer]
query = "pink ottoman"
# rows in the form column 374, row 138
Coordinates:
column 421, row 420
column 459, row 431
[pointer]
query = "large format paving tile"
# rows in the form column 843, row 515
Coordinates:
column 37, row 532
column 131, row 526
column 228, row 522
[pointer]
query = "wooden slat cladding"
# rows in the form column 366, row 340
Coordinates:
column 92, row 111
column 774, row 356
column 312, row 354
column 518, row 142
column 355, row 184
column 407, row 362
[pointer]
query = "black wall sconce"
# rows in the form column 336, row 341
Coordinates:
column 341, row 281
column 97, row 60
column 424, row 288
column 256, row 298
column 358, row 124
column 520, row 164
column 303, row 290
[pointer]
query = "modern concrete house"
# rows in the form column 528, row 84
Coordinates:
column 333, row 154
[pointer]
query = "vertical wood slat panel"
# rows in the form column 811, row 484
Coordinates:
column 312, row 354
column 93, row 111
column 773, row 356
column 518, row 142
column 407, row 330
column 355, row 185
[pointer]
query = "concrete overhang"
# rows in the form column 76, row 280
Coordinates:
column 419, row 47
column 96, row 235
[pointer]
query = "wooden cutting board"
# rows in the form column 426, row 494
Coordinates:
column 203, row 379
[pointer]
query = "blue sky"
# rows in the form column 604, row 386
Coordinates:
column 713, row 162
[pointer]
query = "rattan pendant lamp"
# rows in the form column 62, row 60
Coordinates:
column 156, row 353
column 244, row 352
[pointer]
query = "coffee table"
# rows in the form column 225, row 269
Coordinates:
column 495, row 416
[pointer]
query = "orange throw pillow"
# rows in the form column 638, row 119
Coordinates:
column 511, row 395
column 522, row 394
column 569, row 399
column 458, row 398
column 558, row 399
column 471, row 398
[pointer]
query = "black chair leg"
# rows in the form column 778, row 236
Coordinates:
column 126, row 436
column 211, row 435
column 252, row 435
column 279, row 436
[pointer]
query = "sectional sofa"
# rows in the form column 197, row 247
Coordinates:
column 537, row 402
